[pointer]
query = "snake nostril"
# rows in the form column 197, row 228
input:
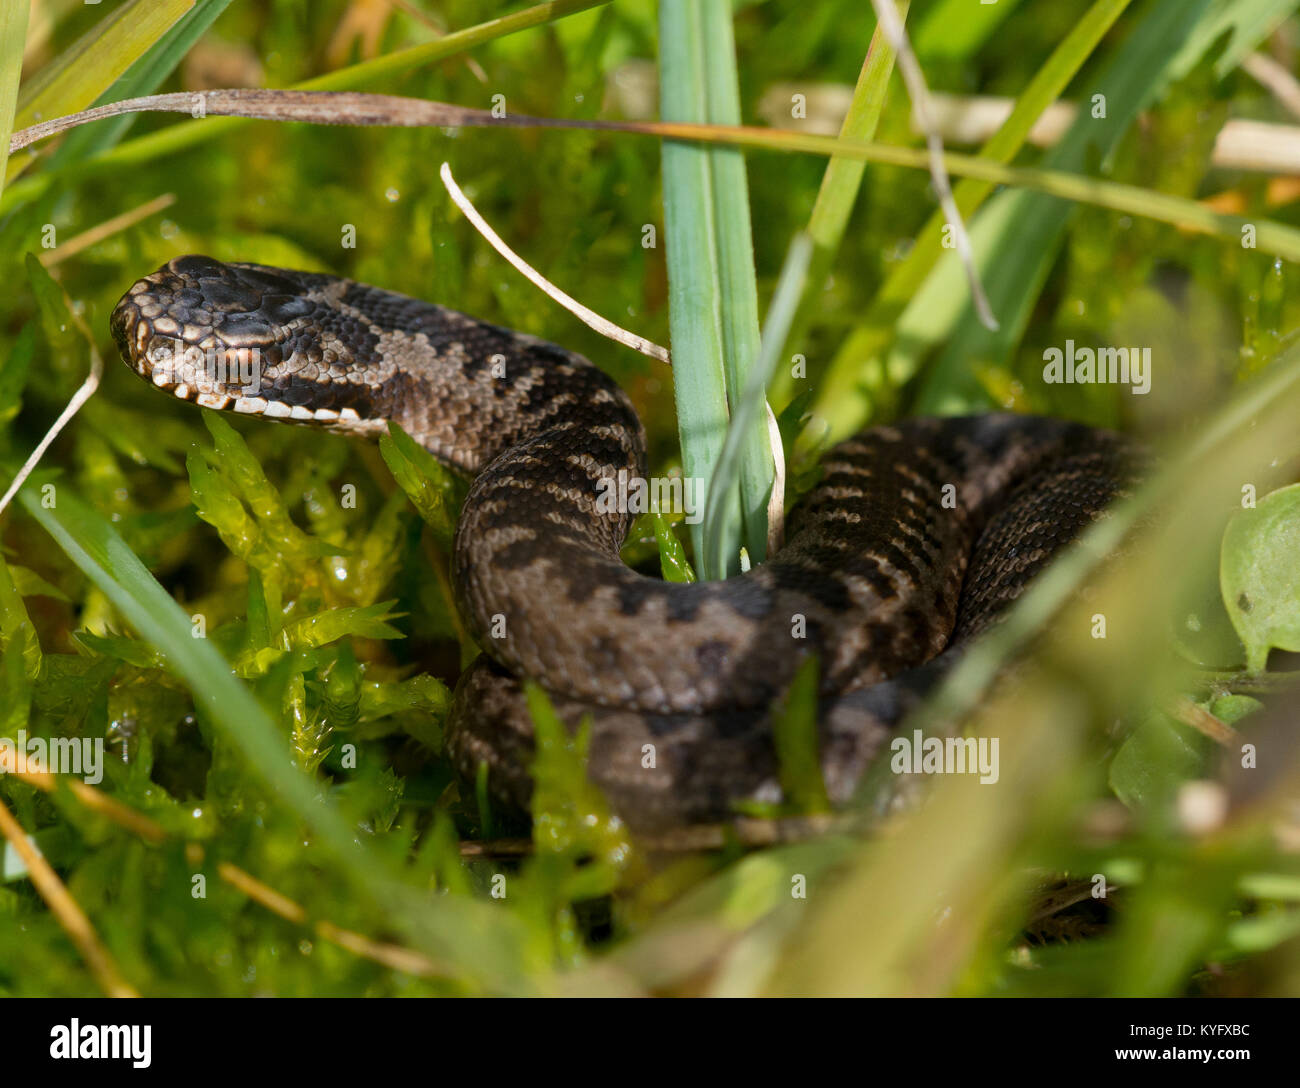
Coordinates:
column 120, row 329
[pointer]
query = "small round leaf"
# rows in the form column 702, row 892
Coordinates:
column 1259, row 575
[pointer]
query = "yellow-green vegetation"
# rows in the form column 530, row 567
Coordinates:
column 258, row 622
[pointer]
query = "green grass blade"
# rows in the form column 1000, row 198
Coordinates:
column 738, row 307
column 843, row 177
column 958, row 29
column 749, row 411
column 13, row 35
column 94, row 61
column 794, row 735
column 1249, row 23
column 393, row 64
column 713, row 314
column 841, row 182
column 694, row 287
column 144, row 77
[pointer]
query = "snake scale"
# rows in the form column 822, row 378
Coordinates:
column 915, row 539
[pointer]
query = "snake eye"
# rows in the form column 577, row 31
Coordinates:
column 246, row 329
column 285, row 308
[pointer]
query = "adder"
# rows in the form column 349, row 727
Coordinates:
column 915, row 539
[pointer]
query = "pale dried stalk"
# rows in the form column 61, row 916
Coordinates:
column 87, row 238
column 66, row 909
column 1204, row 722
column 1242, row 144
column 1274, row 78
column 79, row 398
column 587, row 316
column 390, row 955
column 910, row 68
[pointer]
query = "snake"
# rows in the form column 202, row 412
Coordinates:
column 914, row 540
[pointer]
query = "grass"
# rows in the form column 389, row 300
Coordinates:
column 13, row 33
column 258, row 623
column 713, row 300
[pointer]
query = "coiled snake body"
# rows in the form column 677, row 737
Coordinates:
column 915, row 538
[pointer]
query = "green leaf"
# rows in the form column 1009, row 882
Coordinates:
column 131, row 650
column 1230, row 709
column 571, row 818
column 326, row 627
column 1265, row 932
column 422, row 692
column 672, row 556
column 70, row 683
column 13, row 373
column 956, row 29
column 1248, row 22
column 431, row 488
column 1259, row 575
column 16, row 631
column 238, row 465
column 1161, row 754
column 309, row 732
column 1158, row 757
column 218, row 505
column 15, row 683
column 258, row 620
column 31, row 584
column 341, row 697
column 794, row 733
column 791, row 418
column 64, row 330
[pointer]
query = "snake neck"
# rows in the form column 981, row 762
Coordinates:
column 470, row 391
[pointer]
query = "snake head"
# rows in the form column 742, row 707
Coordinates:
column 246, row 338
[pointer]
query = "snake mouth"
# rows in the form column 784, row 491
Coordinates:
column 226, row 336
column 169, row 333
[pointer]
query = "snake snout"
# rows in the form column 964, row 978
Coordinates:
column 205, row 331
column 251, row 339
